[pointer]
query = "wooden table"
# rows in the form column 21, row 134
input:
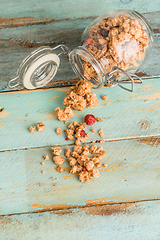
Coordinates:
column 124, row 202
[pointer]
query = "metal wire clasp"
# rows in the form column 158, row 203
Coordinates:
column 114, row 82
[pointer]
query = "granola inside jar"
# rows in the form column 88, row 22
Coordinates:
column 121, row 39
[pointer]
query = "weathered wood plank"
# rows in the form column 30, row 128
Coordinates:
column 124, row 114
column 132, row 175
column 16, row 43
column 58, row 9
column 134, row 221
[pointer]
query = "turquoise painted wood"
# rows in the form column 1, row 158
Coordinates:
column 56, row 205
column 124, row 115
column 134, row 221
column 132, row 175
column 56, row 9
column 17, row 41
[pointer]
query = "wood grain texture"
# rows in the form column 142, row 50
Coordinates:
column 134, row 221
column 17, row 42
column 132, row 175
column 124, row 114
column 60, row 9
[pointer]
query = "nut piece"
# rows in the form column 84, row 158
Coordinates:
column 98, row 164
column 40, row 126
column 72, row 161
column 42, row 163
column 94, row 173
column 93, row 149
column 32, row 129
column 59, row 131
column 105, row 165
column 67, row 152
column 93, row 130
column 101, row 133
column 84, row 176
column 89, row 165
column 58, row 160
column 104, row 97
column 56, row 151
column 75, row 169
column 43, row 172
column 60, row 169
column 46, row 157
column 99, row 119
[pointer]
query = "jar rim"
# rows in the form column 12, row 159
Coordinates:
column 81, row 51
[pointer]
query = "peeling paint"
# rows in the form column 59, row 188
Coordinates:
column 150, row 141
column 62, row 212
column 61, row 89
column 147, row 88
column 100, row 201
column 109, row 210
column 22, row 21
column 153, row 108
column 4, row 114
column 51, row 115
column 154, row 96
column 52, row 207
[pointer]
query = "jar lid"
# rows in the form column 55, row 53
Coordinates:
column 41, row 71
column 37, row 69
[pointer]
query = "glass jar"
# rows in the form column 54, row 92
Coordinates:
column 114, row 46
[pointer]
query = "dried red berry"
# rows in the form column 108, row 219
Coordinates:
column 89, row 119
column 97, row 141
column 85, row 170
column 82, row 133
column 103, row 33
column 89, row 40
column 66, row 138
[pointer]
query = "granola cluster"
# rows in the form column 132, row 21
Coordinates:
column 58, row 160
column 40, row 127
column 64, row 115
column 80, row 96
column 82, row 160
column 77, row 131
column 116, row 41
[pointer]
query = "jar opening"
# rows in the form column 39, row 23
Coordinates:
column 80, row 56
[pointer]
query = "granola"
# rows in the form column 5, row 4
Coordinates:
column 46, row 157
column 58, row 160
column 64, row 115
column 59, row 131
column 40, row 126
column 32, row 129
column 101, row 133
column 116, row 41
column 56, row 150
column 99, row 119
column 60, row 169
column 104, row 97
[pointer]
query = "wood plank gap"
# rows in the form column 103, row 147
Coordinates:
column 65, row 83
column 81, row 207
column 148, row 139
